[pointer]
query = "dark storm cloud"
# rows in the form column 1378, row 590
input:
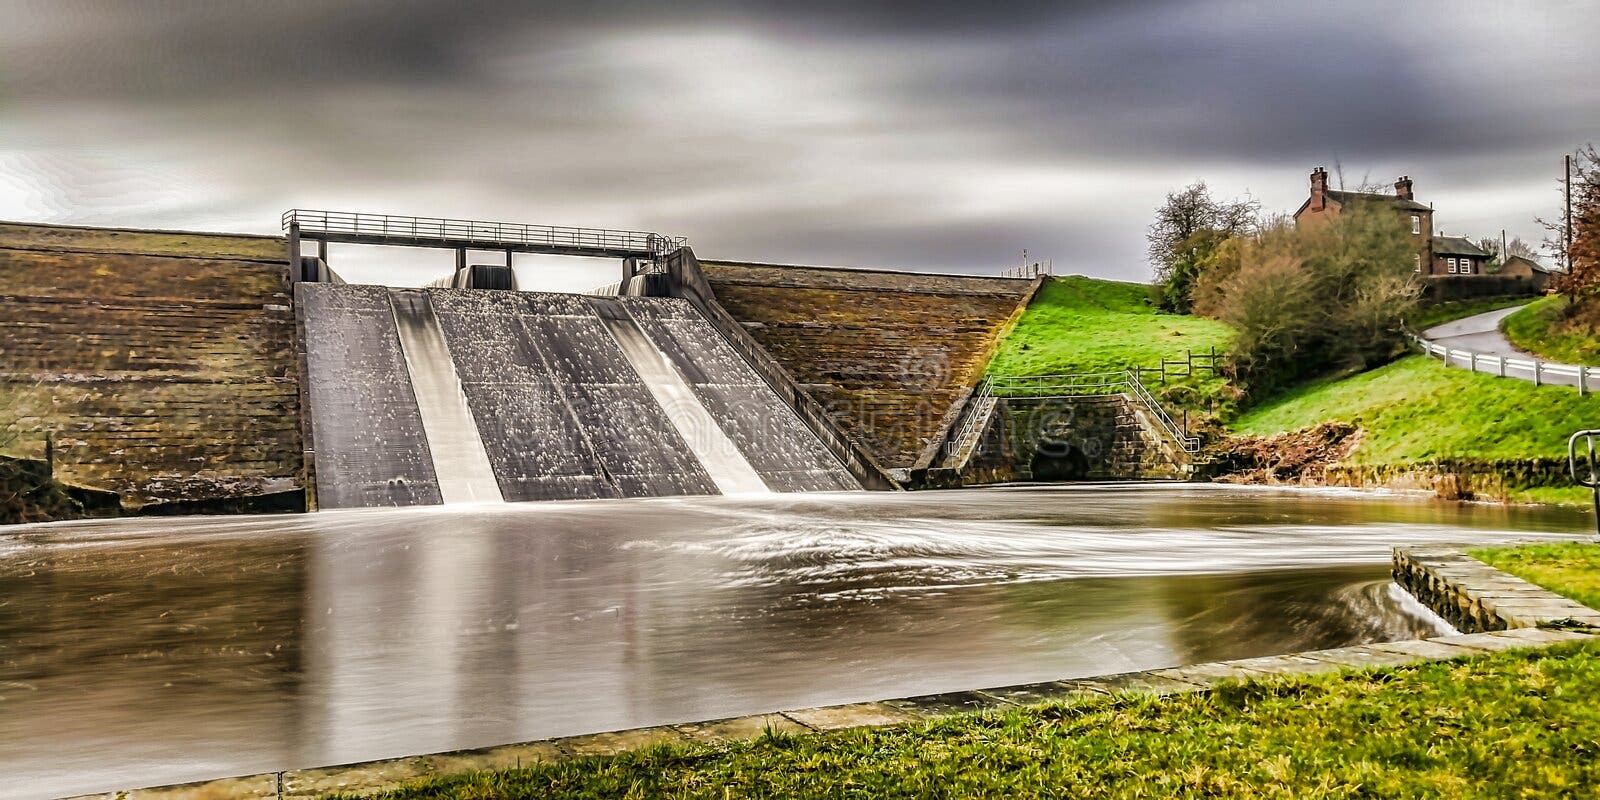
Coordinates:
column 948, row 135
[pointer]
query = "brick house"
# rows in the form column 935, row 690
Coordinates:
column 1418, row 217
column 1457, row 255
column 1519, row 267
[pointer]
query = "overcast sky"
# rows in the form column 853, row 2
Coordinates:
column 936, row 136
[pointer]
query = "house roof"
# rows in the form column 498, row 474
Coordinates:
column 1346, row 198
column 1457, row 246
column 1533, row 265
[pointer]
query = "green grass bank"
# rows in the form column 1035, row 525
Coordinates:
column 1518, row 724
column 1566, row 568
column 1079, row 324
column 1547, row 329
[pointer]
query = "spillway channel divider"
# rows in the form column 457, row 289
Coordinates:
column 711, row 446
column 460, row 461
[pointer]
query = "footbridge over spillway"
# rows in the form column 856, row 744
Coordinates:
column 472, row 391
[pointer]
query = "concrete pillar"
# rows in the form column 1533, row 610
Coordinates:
column 630, row 268
column 322, row 250
column 294, row 252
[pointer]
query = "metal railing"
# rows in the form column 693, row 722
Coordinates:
column 1089, row 384
column 489, row 234
column 1540, row 372
column 1588, row 477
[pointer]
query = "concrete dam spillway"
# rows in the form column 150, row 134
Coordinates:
column 427, row 396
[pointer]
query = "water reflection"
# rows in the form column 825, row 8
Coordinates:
column 165, row 650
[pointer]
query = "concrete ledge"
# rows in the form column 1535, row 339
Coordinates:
column 1448, row 580
column 1476, row 597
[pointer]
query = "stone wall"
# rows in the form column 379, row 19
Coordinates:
column 164, row 361
column 889, row 355
column 1475, row 597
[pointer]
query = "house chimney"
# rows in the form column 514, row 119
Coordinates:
column 1319, row 188
column 1402, row 188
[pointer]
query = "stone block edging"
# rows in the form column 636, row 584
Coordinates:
column 1445, row 579
column 1475, row 597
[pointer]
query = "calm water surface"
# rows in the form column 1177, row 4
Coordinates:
column 164, row 650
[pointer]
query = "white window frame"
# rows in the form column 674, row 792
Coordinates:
column 1452, row 262
column 1419, row 262
column 1416, row 224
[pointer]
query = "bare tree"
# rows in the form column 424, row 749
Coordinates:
column 1188, row 225
column 1582, row 257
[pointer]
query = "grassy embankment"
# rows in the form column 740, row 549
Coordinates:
column 1545, row 329
column 1416, row 411
column 1568, row 568
column 1078, row 325
column 1506, row 725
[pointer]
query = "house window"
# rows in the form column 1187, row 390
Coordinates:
column 1468, row 266
column 1452, row 263
column 1416, row 223
column 1419, row 262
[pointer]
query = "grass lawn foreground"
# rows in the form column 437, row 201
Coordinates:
column 1516, row 724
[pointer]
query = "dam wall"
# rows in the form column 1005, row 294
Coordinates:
column 571, row 397
column 162, row 362
column 892, row 357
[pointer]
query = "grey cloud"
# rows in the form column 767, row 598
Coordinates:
column 852, row 133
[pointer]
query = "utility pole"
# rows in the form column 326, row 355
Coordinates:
column 1568, row 227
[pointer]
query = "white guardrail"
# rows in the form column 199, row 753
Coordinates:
column 1540, row 372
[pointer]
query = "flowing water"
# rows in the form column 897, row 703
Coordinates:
column 460, row 463
column 153, row 651
column 728, row 468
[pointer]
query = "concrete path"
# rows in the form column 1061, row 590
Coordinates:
column 1479, row 333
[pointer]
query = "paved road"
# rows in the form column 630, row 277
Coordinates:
column 1479, row 333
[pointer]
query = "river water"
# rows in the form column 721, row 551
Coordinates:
column 135, row 652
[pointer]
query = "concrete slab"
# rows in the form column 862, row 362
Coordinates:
column 938, row 705
column 613, row 742
column 249, row 786
column 739, row 728
column 1141, row 682
column 1285, row 665
column 1208, row 674
column 375, row 776
column 1535, row 637
column 1041, row 693
column 856, row 715
column 1427, row 649
column 511, row 756
column 1486, row 642
column 1363, row 656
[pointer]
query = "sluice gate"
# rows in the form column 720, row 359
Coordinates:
column 423, row 396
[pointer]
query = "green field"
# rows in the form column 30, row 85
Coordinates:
column 1079, row 324
column 1538, row 329
column 1518, row 724
column 1568, row 568
column 1417, row 409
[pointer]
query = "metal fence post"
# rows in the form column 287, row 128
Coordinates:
column 1536, row 375
column 1583, row 380
column 1472, row 360
column 1502, row 365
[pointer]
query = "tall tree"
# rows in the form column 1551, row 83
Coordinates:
column 1582, row 256
column 1188, row 226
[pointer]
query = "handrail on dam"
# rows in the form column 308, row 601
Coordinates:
column 1080, row 385
column 359, row 227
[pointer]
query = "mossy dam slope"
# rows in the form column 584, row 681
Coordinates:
column 198, row 371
